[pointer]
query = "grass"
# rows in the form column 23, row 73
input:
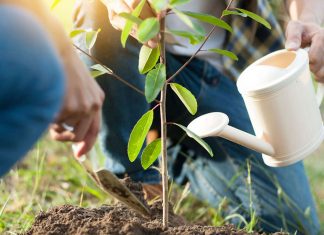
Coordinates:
column 315, row 170
column 49, row 176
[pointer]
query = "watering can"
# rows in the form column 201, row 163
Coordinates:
column 279, row 95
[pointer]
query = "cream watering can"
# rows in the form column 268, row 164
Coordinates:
column 284, row 110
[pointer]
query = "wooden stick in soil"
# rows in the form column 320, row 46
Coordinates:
column 164, row 164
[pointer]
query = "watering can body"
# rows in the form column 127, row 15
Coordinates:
column 281, row 102
column 283, row 109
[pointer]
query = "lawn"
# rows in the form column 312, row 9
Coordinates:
column 50, row 176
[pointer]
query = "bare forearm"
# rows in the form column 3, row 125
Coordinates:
column 310, row 11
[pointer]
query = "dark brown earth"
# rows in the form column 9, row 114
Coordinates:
column 118, row 220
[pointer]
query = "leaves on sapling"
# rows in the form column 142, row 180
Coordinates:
column 96, row 73
column 151, row 153
column 192, row 24
column 174, row 3
column 255, row 17
column 154, row 82
column 229, row 12
column 76, row 32
column 131, row 17
column 246, row 13
column 193, row 38
column 55, row 3
column 148, row 58
column 129, row 24
column 101, row 68
column 196, row 138
column 138, row 135
column 209, row 19
column 224, row 52
column 148, row 29
column 91, row 38
column 186, row 97
column 158, row 5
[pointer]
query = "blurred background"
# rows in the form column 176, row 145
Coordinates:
column 49, row 176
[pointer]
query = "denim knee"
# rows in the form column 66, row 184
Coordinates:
column 32, row 83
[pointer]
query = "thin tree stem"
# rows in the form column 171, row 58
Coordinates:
column 198, row 50
column 164, row 163
column 110, row 72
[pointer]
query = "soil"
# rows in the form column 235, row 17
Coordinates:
column 119, row 220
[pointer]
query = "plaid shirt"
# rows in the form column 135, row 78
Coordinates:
column 250, row 40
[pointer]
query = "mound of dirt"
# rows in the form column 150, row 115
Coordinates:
column 118, row 220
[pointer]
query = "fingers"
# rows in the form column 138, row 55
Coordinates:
column 90, row 137
column 316, row 55
column 294, row 32
column 301, row 34
column 84, row 134
column 78, row 14
column 128, row 6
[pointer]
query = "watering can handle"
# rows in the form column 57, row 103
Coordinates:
column 320, row 88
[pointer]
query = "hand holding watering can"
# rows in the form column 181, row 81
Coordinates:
column 279, row 95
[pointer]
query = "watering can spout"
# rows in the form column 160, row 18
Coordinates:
column 216, row 124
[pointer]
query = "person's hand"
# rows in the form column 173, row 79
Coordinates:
column 78, row 14
column 300, row 34
column 116, row 7
column 81, row 108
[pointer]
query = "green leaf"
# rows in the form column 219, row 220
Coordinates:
column 96, row 73
column 196, row 138
column 138, row 135
column 209, row 19
column 128, row 25
column 229, row 12
column 76, row 32
column 154, row 82
column 101, row 68
column 158, row 5
column 186, row 97
column 224, row 52
column 131, row 18
column 91, row 38
column 255, row 17
column 148, row 29
column 193, row 38
column 174, row 3
column 148, row 58
column 193, row 25
column 55, row 3
column 151, row 153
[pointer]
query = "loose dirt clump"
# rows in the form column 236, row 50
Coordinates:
column 118, row 220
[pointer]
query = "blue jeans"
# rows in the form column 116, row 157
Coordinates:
column 280, row 197
column 31, row 84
